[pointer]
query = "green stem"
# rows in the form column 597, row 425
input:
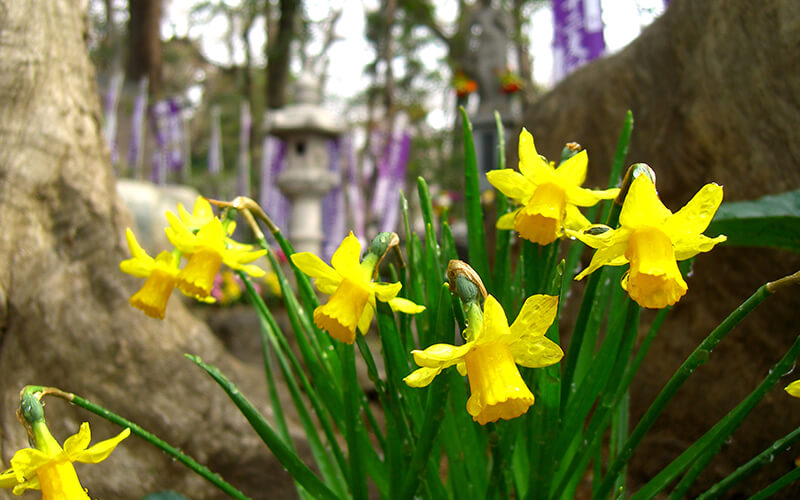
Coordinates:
column 175, row 453
column 778, row 485
column 288, row 459
column 353, row 423
column 698, row 357
column 745, row 470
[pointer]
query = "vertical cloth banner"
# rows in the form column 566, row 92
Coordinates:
column 333, row 210
column 137, row 128
column 243, row 160
column 577, row 35
column 274, row 203
column 215, row 143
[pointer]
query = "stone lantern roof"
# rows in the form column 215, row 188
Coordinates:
column 305, row 116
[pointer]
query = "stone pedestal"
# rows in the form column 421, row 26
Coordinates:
column 305, row 188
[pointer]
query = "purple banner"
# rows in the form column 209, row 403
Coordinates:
column 577, row 34
column 110, row 103
column 272, row 201
column 215, row 143
column 398, row 161
column 243, row 167
column 355, row 198
column 137, row 127
column 333, row 212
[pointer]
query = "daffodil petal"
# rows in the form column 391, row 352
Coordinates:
column 26, row 461
column 574, row 219
column 78, row 442
column 696, row 215
column 531, row 164
column 346, row 258
column 536, row 352
column 422, row 376
column 385, row 291
column 137, row 267
column 313, row 266
column 642, row 207
column 511, row 183
column 101, row 450
column 366, row 317
column 202, row 209
column 583, row 197
column 461, row 366
column 613, row 255
column 405, row 306
column 8, row 479
column 535, row 317
column 690, row 246
column 793, row 389
column 133, row 245
column 573, row 171
column 506, row 221
column 442, row 355
column 30, row 484
column 495, row 322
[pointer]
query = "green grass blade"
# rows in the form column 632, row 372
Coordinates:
column 778, row 485
column 476, row 236
column 615, row 176
column 290, row 461
column 754, row 464
column 699, row 356
column 151, row 438
column 354, row 425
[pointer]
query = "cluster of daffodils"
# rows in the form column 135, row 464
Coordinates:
column 650, row 237
column 48, row 467
column 204, row 241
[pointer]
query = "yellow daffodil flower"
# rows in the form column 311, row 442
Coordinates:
column 490, row 357
column 353, row 293
column 793, row 389
column 49, row 467
column 653, row 239
column 207, row 250
column 549, row 196
column 161, row 273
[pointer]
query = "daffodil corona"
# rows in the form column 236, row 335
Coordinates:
column 549, row 196
column 653, row 239
column 353, row 293
column 491, row 354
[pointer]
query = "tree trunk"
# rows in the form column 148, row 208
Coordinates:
column 714, row 94
column 64, row 314
column 144, row 43
column 278, row 54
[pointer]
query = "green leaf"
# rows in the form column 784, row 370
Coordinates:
column 772, row 221
column 476, row 236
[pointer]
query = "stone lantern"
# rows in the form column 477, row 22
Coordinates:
column 306, row 128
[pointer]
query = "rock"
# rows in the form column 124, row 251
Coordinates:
column 64, row 313
column 712, row 101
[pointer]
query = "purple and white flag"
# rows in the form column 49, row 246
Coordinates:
column 159, row 115
column 137, row 127
column 333, row 212
column 110, row 103
column 355, row 198
column 397, row 161
column 243, row 160
column 272, row 201
column 215, row 143
column 577, row 34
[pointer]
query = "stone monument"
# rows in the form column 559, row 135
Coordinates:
column 305, row 127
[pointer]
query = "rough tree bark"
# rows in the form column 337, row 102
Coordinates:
column 64, row 316
column 715, row 97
